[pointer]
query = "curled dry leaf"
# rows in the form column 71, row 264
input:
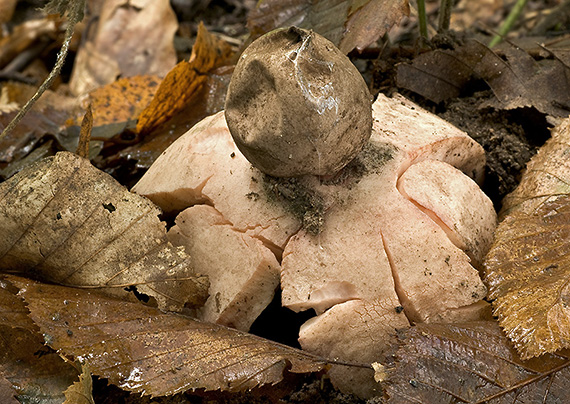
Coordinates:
column 472, row 363
column 528, row 266
column 185, row 80
column 349, row 24
column 141, row 349
column 65, row 221
column 142, row 45
column 28, row 369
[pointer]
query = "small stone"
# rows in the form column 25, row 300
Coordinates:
column 296, row 105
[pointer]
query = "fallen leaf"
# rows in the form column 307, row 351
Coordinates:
column 142, row 349
column 67, row 222
column 128, row 38
column 122, row 100
column 472, row 363
column 517, row 80
column 528, row 266
column 207, row 100
column 81, row 392
column 349, row 24
column 28, row 369
column 181, row 83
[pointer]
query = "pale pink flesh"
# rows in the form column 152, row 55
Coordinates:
column 238, row 266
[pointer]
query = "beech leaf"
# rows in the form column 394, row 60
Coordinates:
column 472, row 363
column 28, row 370
column 65, row 221
column 141, row 349
column 528, row 265
column 349, row 24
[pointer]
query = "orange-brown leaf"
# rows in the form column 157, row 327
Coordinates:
column 182, row 82
column 528, row 266
column 142, row 349
column 122, row 100
column 473, row 363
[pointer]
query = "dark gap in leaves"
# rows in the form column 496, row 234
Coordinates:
column 279, row 323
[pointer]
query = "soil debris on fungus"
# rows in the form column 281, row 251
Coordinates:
column 297, row 198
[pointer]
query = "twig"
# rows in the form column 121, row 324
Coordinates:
column 75, row 14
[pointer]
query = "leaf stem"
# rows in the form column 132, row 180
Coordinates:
column 444, row 15
column 422, row 18
column 509, row 22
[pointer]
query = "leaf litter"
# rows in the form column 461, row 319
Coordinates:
column 472, row 363
column 67, row 222
column 528, row 268
column 28, row 369
column 141, row 349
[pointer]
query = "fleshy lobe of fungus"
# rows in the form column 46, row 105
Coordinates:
column 296, row 105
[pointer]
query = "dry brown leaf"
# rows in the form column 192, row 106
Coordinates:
column 28, row 369
column 67, row 222
column 472, row 363
column 141, row 349
column 122, row 100
column 519, row 81
column 181, row 83
column 81, row 392
column 528, row 266
column 129, row 38
column 349, row 24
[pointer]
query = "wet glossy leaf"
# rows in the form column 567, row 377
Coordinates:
column 517, row 80
column 472, row 363
column 142, row 349
column 349, row 24
column 528, row 266
column 65, row 221
column 28, row 369
column 181, row 83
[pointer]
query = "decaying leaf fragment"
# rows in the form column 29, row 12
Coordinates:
column 28, row 369
column 64, row 221
column 141, row 349
column 528, row 266
column 473, row 363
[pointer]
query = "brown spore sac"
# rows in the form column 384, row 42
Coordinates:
column 296, row 105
